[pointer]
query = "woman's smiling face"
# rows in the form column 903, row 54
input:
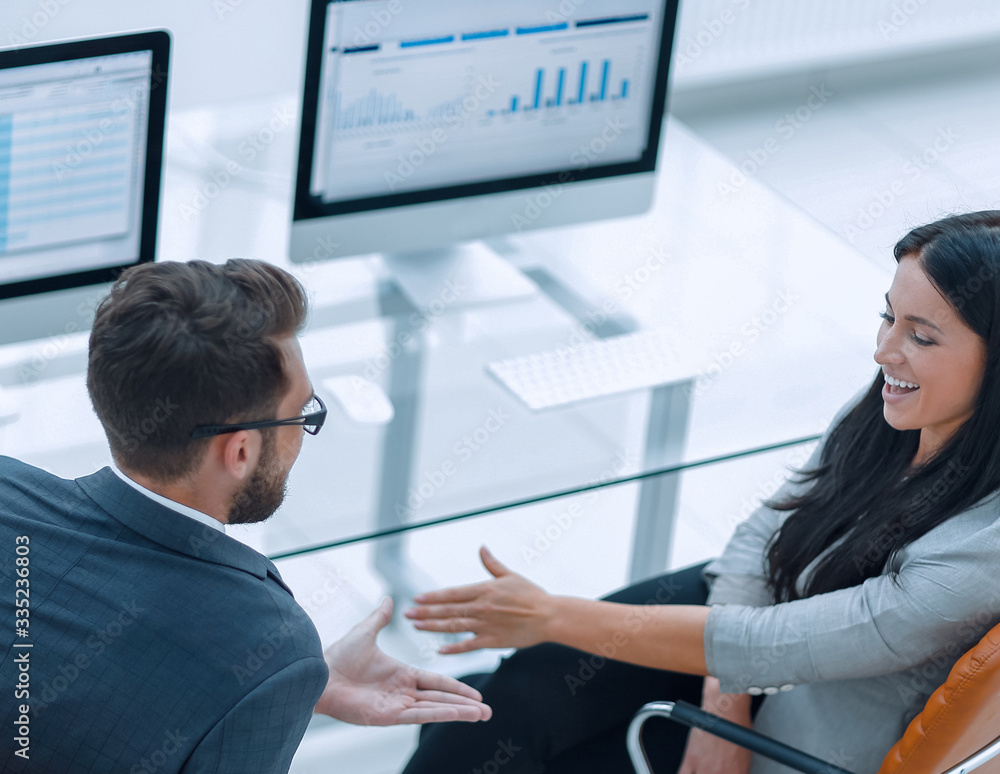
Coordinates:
column 932, row 361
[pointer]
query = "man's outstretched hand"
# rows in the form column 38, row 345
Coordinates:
column 369, row 688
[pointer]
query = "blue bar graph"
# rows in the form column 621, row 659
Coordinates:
column 583, row 82
column 562, row 87
column 375, row 109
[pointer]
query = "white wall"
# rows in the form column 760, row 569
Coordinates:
column 237, row 50
column 223, row 50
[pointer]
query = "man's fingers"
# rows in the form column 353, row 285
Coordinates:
column 444, row 697
column 432, row 681
column 377, row 619
column 443, row 713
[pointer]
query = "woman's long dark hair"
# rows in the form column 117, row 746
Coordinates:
column 861, row 502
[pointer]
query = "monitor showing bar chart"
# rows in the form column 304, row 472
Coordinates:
column 431, row 99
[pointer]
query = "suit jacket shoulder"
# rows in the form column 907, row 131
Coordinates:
column 149, row 629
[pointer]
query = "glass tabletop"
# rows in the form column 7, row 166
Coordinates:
column 777, row 318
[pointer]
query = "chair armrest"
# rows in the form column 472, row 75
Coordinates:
column 695, row 717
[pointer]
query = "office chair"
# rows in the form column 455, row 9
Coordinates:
column 957, row 731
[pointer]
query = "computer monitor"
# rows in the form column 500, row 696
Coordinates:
column 81, row 148
column 430, row 123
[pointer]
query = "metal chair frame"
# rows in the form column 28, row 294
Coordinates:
column 695, row 717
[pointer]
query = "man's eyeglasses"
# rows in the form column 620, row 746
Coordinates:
column 312, row 419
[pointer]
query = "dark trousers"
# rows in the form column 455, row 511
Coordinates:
column 560, row 711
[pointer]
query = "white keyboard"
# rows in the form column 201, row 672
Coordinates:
column 595, row 369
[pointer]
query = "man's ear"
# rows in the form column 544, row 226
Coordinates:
column 239, row 452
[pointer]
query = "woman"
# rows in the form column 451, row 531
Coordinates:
column 841, row 604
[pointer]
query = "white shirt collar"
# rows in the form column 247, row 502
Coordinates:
column 173, row 505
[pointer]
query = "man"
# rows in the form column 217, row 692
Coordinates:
column 158, row 643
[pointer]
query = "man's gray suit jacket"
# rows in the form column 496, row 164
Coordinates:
column 158, row 644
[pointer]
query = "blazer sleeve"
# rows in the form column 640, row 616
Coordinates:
column 739, row 575
column 261, row 733
column 941, row 602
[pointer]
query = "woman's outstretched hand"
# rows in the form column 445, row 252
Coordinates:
column 507, row 612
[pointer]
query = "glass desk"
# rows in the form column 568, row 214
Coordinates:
column 777, row 319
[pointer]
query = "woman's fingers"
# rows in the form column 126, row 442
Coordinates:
column 456, row 594
column 448, row 625
column 465, row 646
column 439, row 612
column 496, row 568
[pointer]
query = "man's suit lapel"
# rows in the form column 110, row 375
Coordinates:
column 171, row 529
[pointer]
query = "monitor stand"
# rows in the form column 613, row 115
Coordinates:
column 464, row 275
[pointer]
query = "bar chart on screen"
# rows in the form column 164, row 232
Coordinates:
column 495, row 90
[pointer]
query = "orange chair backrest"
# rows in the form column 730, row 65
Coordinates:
column 961, row 717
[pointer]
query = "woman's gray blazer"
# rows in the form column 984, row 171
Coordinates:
column 846, row 671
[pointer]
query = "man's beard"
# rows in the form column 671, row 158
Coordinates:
column 264, row 492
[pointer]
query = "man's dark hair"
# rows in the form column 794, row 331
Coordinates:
column 176, row 345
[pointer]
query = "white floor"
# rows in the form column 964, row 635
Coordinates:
column 878, row 151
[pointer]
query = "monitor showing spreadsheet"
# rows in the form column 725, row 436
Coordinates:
column 81, row 138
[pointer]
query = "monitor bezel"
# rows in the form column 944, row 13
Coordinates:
column 307, row 207
column 158, row 42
